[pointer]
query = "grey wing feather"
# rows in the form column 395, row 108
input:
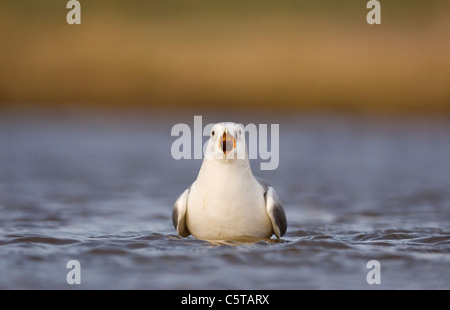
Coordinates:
column 274, row 209
column 179, row 214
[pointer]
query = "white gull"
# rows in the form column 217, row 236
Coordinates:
column 227, row 202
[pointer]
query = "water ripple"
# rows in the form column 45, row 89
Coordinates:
column 35, row 239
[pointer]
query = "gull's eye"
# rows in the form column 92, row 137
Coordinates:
column 213, row 133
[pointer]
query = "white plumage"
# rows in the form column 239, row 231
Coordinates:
column 227, row 202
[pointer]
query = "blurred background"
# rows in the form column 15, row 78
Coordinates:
column 254, row 54
column 86, row 113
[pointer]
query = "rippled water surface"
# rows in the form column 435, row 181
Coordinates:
column 101, row 191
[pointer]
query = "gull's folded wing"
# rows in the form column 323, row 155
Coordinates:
column 274, row 209
column 179, row 214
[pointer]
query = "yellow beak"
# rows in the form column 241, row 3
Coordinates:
column 227, row 142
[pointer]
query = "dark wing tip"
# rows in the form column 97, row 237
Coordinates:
column 175, row 218
column 276, row 212
column 280, row 219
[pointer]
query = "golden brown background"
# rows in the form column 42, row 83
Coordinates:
column 289, row 55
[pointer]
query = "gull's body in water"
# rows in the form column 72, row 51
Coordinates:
column 227, row 202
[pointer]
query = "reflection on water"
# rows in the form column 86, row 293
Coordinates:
column 102, row 191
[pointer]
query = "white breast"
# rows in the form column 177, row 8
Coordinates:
column 227, row 203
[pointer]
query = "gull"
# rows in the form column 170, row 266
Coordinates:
column 226, row 201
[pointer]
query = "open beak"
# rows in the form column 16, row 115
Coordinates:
column 227, row 142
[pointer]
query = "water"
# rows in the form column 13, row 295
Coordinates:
column 101, row 191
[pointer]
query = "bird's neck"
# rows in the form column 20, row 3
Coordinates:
column 213, row 170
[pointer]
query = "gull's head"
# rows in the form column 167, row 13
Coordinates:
column 226, row 142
